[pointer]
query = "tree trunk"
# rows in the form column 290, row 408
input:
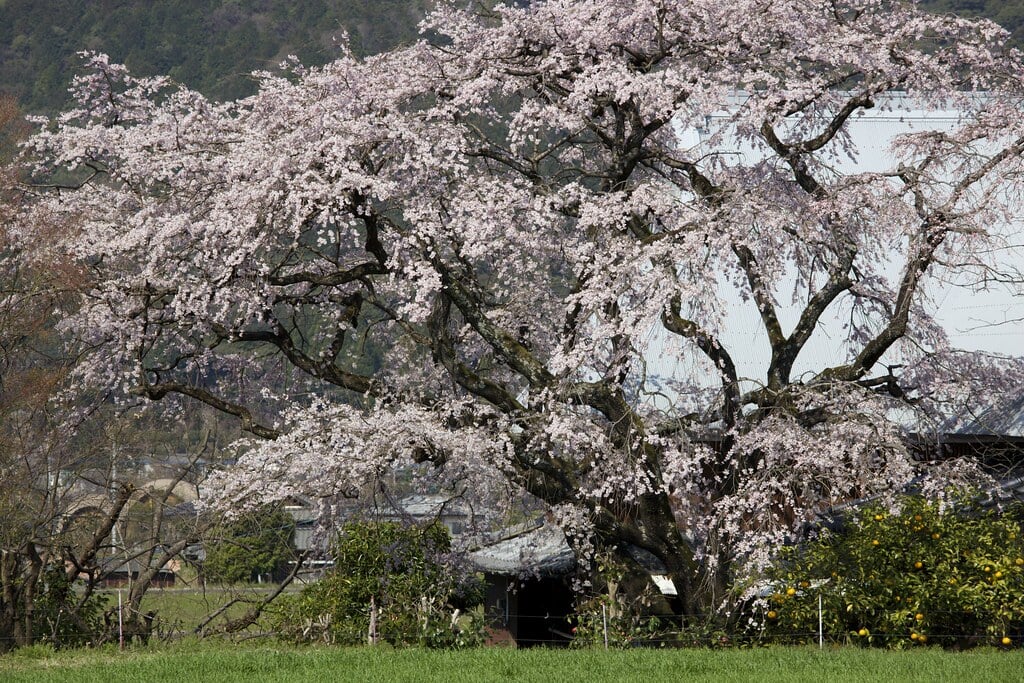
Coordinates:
column 651, row 526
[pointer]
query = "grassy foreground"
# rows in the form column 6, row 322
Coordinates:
column 224, row 662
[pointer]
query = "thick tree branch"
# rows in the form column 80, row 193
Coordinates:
column 322, row 368
column 713, row 349
column 157, row 391
column 444, row 353
column 510, row 349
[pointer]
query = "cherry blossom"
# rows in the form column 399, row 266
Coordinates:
column 491, row 252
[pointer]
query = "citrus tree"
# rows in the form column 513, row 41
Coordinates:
column 920, row 575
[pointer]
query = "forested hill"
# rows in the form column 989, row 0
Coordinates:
column 213, row 45
column 1008, row 13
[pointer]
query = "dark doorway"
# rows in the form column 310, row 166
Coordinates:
column 544, row 609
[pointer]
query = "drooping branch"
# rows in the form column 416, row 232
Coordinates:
column 158, row 390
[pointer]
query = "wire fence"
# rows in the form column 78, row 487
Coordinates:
column 610, row 630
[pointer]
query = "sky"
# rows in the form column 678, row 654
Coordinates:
column 991, row 320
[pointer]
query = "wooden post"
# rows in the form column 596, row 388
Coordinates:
column 604, row 622
column 372, row 636
column 821, row 620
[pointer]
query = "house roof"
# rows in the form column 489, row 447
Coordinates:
column 542, row 550
column 112, row 565
column 1008, row 491
column 1002, row 420
column 433, row 505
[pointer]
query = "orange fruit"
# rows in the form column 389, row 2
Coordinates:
column 1007, row 640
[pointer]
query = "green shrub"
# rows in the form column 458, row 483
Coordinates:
column 404, row 575
column 921, row 576
column 61, row 617
column 622, row 613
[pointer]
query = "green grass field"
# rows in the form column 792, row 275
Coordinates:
column 218, row 661
column 179, row 610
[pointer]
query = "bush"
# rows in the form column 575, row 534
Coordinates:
column 917, row 577
column 61, row 616
column 627, row 608
column 625, row 614
column 405, row 575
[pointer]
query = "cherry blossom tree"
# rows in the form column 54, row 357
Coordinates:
column 483, row 252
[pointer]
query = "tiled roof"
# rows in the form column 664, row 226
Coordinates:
column 542, row 550
column 1008, row 491
column 1006, row 419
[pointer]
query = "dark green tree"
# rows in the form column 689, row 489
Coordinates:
column 253, row 545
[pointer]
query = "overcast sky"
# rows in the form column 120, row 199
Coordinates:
column 989, row 320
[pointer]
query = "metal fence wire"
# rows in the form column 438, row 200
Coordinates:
column 602, row 629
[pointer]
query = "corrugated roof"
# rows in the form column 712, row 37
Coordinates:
column 543, row 550
column 433, row 505
column 1008, row 491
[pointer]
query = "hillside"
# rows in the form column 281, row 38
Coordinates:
column 1007, row 13
column 213, row 45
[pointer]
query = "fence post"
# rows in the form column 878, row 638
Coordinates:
column 120, row 622
column 821, row 630
column 604, row 622
column 371, row 636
